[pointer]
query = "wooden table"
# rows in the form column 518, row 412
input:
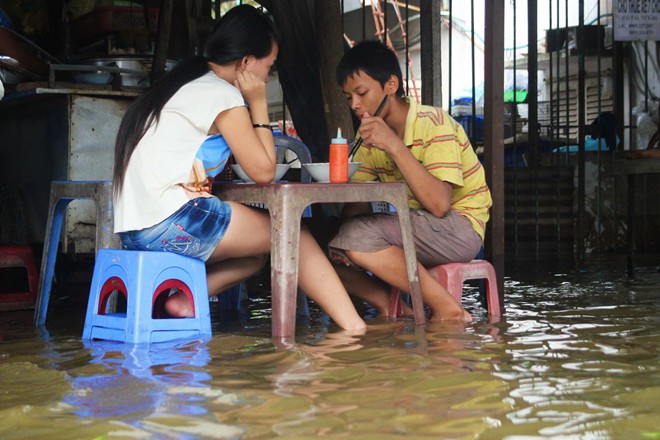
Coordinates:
column 286, row 203
column 635, row 163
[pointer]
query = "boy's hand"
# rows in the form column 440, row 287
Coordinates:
column 338, row 258
column 375, row 132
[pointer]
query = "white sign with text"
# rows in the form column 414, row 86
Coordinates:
column 636, row 20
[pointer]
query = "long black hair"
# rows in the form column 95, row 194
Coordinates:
column 242, row 31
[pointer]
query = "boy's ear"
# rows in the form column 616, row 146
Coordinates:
column 392, row 84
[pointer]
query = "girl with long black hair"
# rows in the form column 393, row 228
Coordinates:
column 182, row 130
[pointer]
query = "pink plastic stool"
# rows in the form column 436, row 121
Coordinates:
column 19, row 256
column 452, row 276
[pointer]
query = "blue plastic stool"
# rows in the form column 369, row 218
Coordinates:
column 145, row 279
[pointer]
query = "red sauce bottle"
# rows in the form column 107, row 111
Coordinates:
column 338, row 159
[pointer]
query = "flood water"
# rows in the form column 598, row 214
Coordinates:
column 574, row 357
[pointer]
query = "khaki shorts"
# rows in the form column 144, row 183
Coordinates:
column 443, row 240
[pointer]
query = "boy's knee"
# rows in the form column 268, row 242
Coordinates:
column 355, row 256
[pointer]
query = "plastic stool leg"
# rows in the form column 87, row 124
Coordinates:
column 451, row 279
column 230, row 299
column 396, row 308
column 105, row 236
column 302, row 305
column 49, row 255
column 492, row 294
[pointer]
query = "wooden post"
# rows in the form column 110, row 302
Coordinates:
column 494, row 135
column 430, row 28
column 330, row 42
column 162, row 38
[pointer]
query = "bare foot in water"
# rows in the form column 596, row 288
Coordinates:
column 406, row 311
column 178, row 305
column 387, row 326
column 462, row 316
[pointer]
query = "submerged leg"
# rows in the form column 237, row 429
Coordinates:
column 389, row 265
column 220, row 276
column 319, row 280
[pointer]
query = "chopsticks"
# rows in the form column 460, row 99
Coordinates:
column 359, row 141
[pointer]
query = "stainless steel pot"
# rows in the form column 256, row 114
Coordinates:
column 139, row 64
column 11, row 72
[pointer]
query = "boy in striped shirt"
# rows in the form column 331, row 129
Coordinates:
column 425, row 148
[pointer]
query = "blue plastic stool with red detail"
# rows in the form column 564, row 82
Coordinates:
column 145, row 280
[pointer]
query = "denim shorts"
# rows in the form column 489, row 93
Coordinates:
column 193, row 230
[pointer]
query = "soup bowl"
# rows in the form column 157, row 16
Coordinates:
column 321, row 171
column 279, row 172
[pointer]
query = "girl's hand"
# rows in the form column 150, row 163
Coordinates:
column 252, row 88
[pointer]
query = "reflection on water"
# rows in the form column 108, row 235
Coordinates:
column 145, row 374
column 575, row 356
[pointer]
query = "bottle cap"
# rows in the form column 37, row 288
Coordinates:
column 339, row 139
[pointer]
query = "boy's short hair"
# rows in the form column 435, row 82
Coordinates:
column 373, row 58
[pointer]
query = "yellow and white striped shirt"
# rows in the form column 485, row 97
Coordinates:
column 441, row 145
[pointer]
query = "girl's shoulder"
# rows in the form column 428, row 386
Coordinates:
column 209, row 87
column 213, row 82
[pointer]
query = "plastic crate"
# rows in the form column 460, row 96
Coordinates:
column 467, row 121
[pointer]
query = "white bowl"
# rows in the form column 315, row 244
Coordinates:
column 321, row 171
column 279, row 172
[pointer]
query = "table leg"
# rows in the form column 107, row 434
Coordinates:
column 401, row 206
column 285, row 246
